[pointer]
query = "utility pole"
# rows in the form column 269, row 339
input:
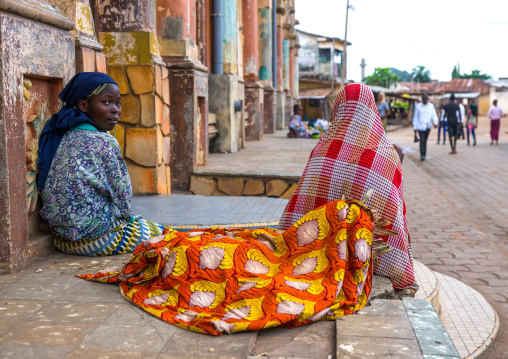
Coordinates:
column 332, row 70
column 344, row 55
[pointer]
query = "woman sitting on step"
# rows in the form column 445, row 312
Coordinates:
column 86, row 189
column 352, row 157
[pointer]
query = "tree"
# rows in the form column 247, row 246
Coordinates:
column 403, row 75
column 476, row 74
column 381, row 77
column 420, row 74
column 456, row 72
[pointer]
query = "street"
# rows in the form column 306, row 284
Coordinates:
column 458, row 214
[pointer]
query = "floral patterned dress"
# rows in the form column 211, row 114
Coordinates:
column 87, row 197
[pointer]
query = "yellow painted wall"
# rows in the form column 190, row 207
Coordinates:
column 484, row 104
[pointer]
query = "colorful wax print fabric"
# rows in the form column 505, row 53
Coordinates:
column 88, row 187
column 353, row 157
column 123, row 237
column 231, row 280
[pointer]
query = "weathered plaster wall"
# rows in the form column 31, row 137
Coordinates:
column 176, row 28
column 189, row 96
column 27, row 48
column 230, row 37
column 265, row 45
column 223, row 91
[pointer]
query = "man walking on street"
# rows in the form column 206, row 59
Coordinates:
column 425, row 116
column 451, row 112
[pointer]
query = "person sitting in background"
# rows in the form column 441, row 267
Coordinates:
column 297, row 128
column 86, row 189
column 382, row 108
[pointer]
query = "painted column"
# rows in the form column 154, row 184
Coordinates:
column 38, row 58
column 176, row 24
column 180, row 28
column 292, row 55
column 130, row 44
column 281, row 98
column 254, row 96
column 89, row 56
column 265, row 30
column 230, row 37
column 285, row 64
column 250, row 45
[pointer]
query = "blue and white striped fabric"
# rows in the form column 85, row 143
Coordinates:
column 123, row 238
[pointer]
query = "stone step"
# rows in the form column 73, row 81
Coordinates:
column 429, row 285
column 466, row 315
column 468, row 318
column 394, row 329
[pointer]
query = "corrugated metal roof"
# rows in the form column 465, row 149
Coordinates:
column 314, row 93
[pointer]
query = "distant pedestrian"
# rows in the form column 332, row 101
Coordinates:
column 495, row 113
column 442, row 125
column 297, row 128
column 425, row 116
column 382, row 108
column 462, row 110
column 452, row 109
column 472, row 121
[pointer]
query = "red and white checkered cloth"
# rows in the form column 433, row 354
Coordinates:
column 354, row 156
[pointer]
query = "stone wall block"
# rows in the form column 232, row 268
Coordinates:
column 165, row 91
column 141, row 78
column 162, row 186
column 217, row 193
column 231, row 186
column 164, row 72
column 275, row 188
column 253, row 187
column 85, row 59
column 116, row 72
column 142, row 179
column 119, row 133
column 289, row 192
column 130, row 110
column 168, row 179
column 100, row 62
column 160, row 147
column 141, row 146
column 159, row 110
column 158, row 80
column 166, row 128
column 203, row 186
column 166, row 149
column 147, row 110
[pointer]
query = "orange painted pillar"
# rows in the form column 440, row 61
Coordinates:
column 251, row 40
column 176, row 19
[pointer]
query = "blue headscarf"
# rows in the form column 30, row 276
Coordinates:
column 78, row 88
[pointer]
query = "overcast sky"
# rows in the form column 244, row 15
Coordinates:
column 437, row 34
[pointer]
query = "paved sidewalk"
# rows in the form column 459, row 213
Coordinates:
column 458, row 215
column 185, row 212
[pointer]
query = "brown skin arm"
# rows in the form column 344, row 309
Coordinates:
column 399, row 152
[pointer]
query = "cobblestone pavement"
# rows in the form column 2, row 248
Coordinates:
column 458, row 215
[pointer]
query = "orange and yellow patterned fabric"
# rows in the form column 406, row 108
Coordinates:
column 231, row 280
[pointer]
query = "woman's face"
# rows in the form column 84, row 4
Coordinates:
column 104, row 108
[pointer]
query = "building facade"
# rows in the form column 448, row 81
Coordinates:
column 188, row 70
